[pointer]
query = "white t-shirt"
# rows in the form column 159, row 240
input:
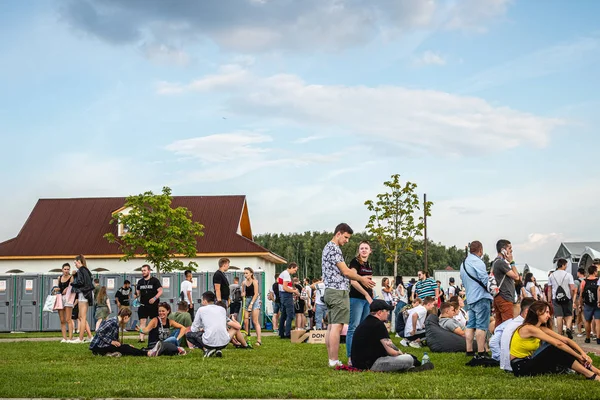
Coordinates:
column 528, row 289
column 562, row 278
column 509, row 329
column 284, row 277
column 421, row 311
column 213, row 319
column 186, row 286
column 461, row 317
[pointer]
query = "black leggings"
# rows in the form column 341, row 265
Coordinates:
column 416, row 336
column 545, row 362
column 124, row 349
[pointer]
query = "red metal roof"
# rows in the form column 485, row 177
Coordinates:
column 61, row 227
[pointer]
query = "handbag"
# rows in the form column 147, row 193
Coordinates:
column 69, row 297
column 58, row 304
column 49, row 303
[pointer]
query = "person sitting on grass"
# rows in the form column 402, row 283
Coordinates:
column 209, row 330
column 528, row 358
column 414, row 330
column 447, row 320
column 461, row 315
column 182, row 317
column 500, row 341
column 159, row 330
column 106, row 341
column 372, row 347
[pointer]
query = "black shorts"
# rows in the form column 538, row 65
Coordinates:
column 234, row 308
column 146, row 311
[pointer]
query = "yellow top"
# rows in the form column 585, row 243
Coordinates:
column 522, row 348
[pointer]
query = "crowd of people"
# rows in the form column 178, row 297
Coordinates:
column 497, row 311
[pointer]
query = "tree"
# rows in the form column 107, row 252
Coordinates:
column 393, row 222
column 157, row 231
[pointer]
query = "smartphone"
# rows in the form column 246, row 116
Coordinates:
column 504, row 252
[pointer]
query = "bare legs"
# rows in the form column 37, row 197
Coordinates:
column 142, row 326
column 332, row 340
column 255, row 314
column 83, row 326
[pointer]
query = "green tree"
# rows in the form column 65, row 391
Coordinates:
column 157, row 231
column 393, row 222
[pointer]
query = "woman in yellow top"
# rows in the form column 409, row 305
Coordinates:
column 558, row 351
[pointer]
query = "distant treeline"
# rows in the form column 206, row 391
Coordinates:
column 306, row 248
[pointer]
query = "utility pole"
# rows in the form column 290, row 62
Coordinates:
column 425, row 222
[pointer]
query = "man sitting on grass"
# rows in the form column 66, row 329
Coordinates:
column 447, row 320
column 209, row 329
column 415, row 323
column 373, row 349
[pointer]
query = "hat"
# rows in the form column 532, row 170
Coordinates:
column 413, row 280
column 452, row 279
column 378, row 305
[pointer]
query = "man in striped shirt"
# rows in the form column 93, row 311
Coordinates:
column 426, row 287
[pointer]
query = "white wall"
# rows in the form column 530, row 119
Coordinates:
column 114, row 265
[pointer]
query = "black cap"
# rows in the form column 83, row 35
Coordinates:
column 451, row 279
column 378, row 305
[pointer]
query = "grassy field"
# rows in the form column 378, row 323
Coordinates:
column 278, row 369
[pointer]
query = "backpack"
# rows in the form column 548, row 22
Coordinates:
column 590, row 290
column 236, row 296
column 561, row 295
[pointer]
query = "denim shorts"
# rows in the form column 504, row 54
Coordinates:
column 276, row 307
column 479, row 315
column 255, row 306
column 590, row 312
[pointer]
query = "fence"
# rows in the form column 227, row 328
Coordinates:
column 22, row 297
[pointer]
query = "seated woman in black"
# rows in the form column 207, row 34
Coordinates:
column 159, row 330
column 106, row 341
column 556, row 352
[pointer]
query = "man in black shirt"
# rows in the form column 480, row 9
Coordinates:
column 220, row 281
column 372, row 347
column 123, row 294
column 148, row 290
column 276, row 303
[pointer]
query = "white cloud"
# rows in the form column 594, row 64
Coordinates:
column 422, row 119
column 546, row 61
column 429, row 58
column 260, row 25
column 229, row 76
column 227, row 156
column 538, row 240
column 308, row 139
column 164, row 54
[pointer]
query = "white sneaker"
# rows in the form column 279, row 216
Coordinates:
column 580, row 334
column 404, row 342
column 335, row 363
column 64, row 341
column 414, row 344
column 76, row 341
column 397, row 335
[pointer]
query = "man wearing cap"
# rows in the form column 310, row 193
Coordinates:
column 373, row 349
column 452, row 289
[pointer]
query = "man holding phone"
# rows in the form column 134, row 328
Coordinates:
column 505, row 272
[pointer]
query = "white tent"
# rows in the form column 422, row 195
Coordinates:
column 541, row 276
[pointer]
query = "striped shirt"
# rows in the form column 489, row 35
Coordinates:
column 425, row 288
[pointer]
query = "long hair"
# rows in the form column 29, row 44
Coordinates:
column 251, row 271
column 535, row 310
column 81, row 259
column 102, row 296
column 360, row 261
column 399, row 281
column 528, row 278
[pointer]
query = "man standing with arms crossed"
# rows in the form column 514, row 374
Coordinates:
column 336, row 277
column 148, row 290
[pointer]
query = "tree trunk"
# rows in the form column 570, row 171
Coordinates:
column 395, row 265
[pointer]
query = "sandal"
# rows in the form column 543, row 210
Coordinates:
column 592, row 378
column 258, row 343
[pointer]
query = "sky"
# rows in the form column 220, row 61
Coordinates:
column 489, row 106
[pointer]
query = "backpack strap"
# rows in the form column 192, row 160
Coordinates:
column 471, row 276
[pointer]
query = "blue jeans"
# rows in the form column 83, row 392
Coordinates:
column 320, row 312
column 287, row 314
column 359, row 309
column 399, row 306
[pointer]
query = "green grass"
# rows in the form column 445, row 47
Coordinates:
column 278, row 369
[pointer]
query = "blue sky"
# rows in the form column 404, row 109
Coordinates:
column 490, row 106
